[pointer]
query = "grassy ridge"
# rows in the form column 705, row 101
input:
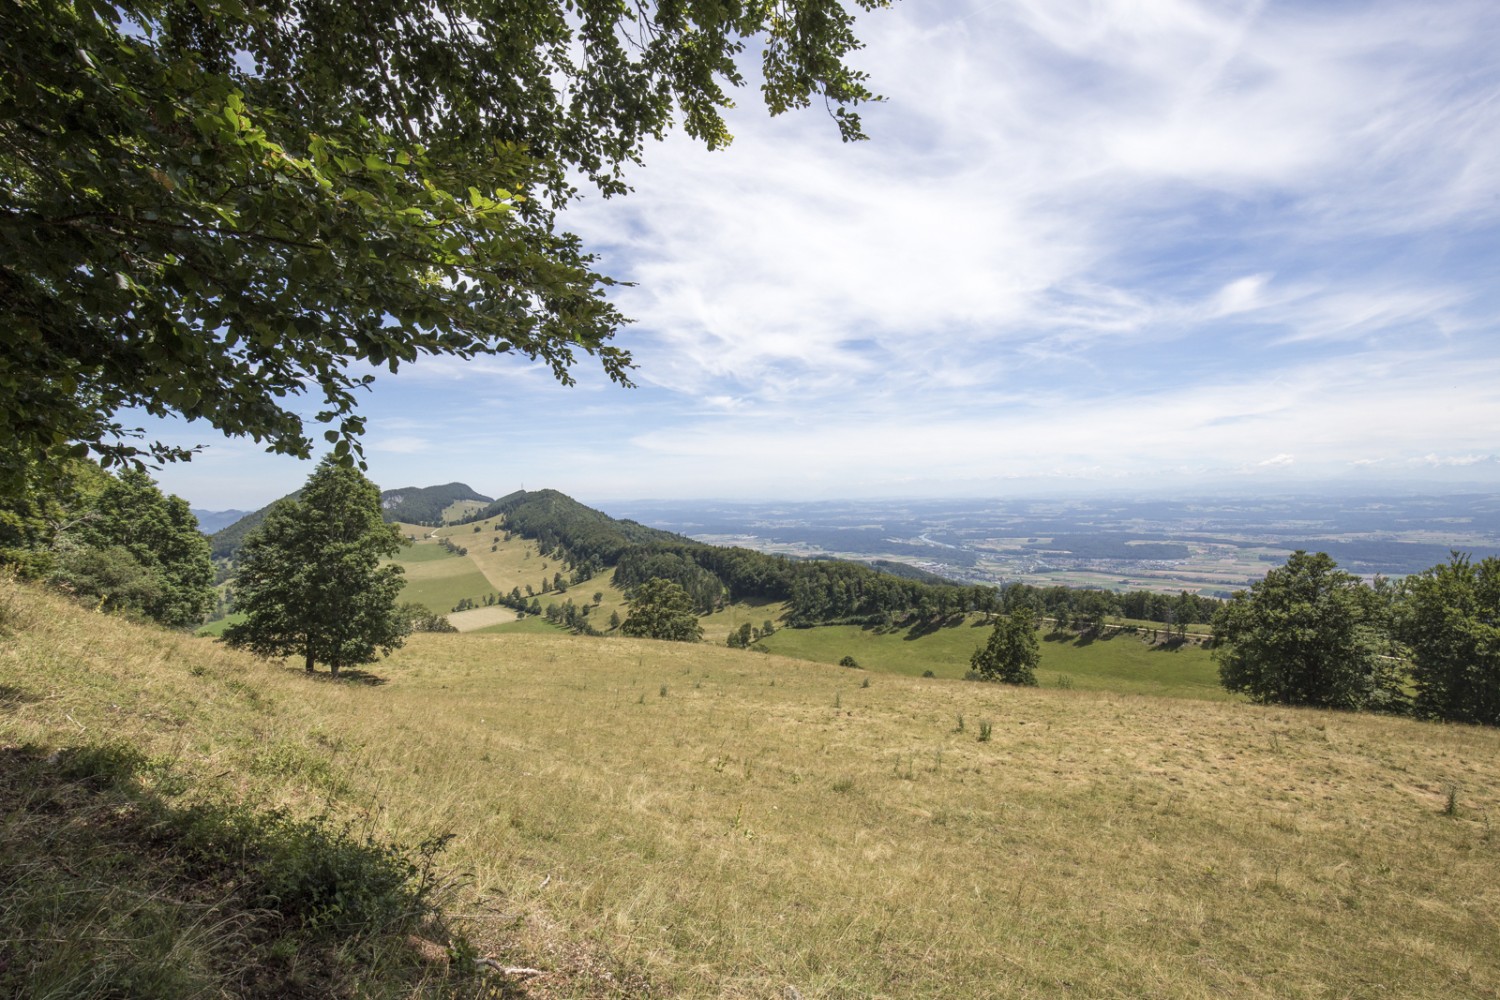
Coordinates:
column 706, row 822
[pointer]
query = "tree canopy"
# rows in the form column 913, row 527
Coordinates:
column 1307, row 634
column 209, row 207
column 1449, row 619
column 660, row 609
column 310, row 581
column 1011, row 654
column 131, row 526
column 114, row 540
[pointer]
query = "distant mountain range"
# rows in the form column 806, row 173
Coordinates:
column 210, row 521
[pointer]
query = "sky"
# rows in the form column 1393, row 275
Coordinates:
column 1091, row 246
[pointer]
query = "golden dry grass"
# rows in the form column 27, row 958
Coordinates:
column 706, row 822
column 517, row 562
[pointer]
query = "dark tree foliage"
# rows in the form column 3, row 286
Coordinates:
column 207, row 206
column 1307, row 634
column 1011, row 654
column 114, row 540
column 636, row 566
column 1449, row 618
column 33, row 518
column 425, row 505
column 311, row 583
column 660, row 609
column 131, row 517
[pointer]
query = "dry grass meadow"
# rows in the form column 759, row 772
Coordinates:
column 646, row 819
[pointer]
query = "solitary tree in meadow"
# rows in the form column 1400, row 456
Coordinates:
column 1011, row 654
column 311, row 583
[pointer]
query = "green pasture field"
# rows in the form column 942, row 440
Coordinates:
column 216, row 628
column 1121, row 663
column 442, row 594
column 423, row 552
column 530, row 625
column 632, row 818
column 717, row 626
column 461, row 509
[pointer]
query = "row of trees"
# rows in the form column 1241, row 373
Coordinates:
column 1312, row 634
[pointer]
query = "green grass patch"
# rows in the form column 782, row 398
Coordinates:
column 424, row 552
column 216, row 628
column 1120, row 663
column 531, row 625
column 441, row 594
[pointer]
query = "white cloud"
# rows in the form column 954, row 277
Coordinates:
column 1120, row 239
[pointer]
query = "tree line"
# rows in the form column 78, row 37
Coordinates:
column 1312, row 634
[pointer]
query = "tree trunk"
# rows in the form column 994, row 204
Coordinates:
column 309, row 661
column 334, row 667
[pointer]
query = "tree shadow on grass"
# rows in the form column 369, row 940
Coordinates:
column 1079, row 639
column 11, row 696
column 931, row 626
column 113, row 889
column 349, row 675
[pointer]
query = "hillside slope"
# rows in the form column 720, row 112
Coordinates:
column 415, row 505
column 679, row 820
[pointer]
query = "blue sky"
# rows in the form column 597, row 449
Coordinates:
column 1106, row 245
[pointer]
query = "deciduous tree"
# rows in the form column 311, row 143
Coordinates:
column 1449, row 619
column 1012, row 653
column 1307, row 634
column 311, row 583
column 660, row 609
column 159, row 532
column 207, row 206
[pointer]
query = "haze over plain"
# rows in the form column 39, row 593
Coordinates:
column 1110, row 245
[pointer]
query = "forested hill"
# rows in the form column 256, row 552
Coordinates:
column 425, row 505
column 817, row 591
column 225, row 542
column 414, row 505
